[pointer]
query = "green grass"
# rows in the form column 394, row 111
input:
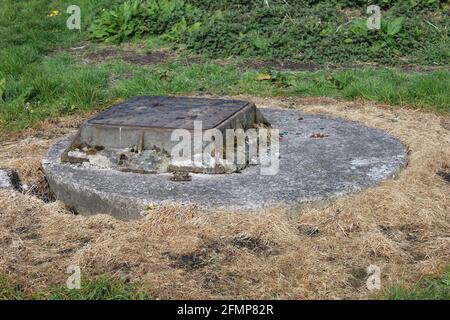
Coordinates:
column 102, row 288
column 60, row 85
column 429, row 288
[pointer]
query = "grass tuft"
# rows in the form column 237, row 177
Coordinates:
column 429, row 288
column 101, row 288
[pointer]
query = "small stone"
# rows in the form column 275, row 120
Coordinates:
column 181, row 176
column 9, row 179
column 318, row 135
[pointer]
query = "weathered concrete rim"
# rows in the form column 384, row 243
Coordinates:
column 349, row 158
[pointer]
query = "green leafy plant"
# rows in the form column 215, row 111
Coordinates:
column 305, row 30
column 137, row 17
column 392, row 27
column 179, row 29
column 116, row 25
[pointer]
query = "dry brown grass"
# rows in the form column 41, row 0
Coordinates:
column 402, row 225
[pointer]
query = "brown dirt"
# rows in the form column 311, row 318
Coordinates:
column 153, row 57
column 287, row 65
column 96, row 53
column 136, row 54
column 402, row 225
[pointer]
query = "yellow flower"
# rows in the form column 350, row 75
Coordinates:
column 53, row 13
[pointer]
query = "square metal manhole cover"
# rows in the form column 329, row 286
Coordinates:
column 169, row 112
column 148, row 122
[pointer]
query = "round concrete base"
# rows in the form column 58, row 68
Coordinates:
column 320, row 158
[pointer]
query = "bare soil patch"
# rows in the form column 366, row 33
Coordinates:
column 131, row 56
column 288, row 65
column 402, row 226
column 96, row 53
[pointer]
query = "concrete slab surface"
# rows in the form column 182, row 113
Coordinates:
column 320, row 158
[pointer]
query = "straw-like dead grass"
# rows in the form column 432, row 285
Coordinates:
column 402, row 225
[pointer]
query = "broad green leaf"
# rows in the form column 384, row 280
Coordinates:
column 327, row 31
column 394, row 26
column 359, row 27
